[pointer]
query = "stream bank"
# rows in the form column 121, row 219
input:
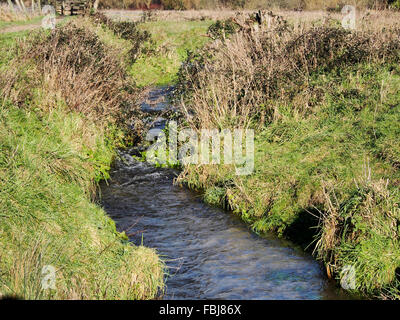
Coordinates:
column 209, row 253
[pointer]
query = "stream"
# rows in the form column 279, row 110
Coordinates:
column 209, row 253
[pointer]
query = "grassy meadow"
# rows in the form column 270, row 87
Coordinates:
column 163, row 55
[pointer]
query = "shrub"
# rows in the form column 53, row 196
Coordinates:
column 246, row 75
column 74, row 64
column 222, row 29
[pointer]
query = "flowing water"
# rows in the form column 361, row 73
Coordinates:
column 210, row 253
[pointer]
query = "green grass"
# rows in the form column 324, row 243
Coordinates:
column 50, row 160
column 48, row 219
column 354, row 130
column 160, row 62
column 7, row 41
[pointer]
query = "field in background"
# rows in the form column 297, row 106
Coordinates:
column 331, row 5
column 377, row 19
column 162, row 57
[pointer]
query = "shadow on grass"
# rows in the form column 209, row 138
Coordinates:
column 304, row 229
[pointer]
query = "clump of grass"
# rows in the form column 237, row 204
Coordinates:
column 75, row 65
column 244, row 77
column 48, row 162
column 363, row 228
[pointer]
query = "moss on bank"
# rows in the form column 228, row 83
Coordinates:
column 53, row 148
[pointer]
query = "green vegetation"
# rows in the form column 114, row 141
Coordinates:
column 47, row 217
column 54, row 147
column 325, row 105
column 7, row 40
column 162, row 56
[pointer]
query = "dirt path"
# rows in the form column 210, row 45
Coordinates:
column 26, row 27
column 20, row 28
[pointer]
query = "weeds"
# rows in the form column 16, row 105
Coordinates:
column 76, row 66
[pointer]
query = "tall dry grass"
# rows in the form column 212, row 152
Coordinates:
column 76, row 66
column 240, row 80
column 12, row 13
